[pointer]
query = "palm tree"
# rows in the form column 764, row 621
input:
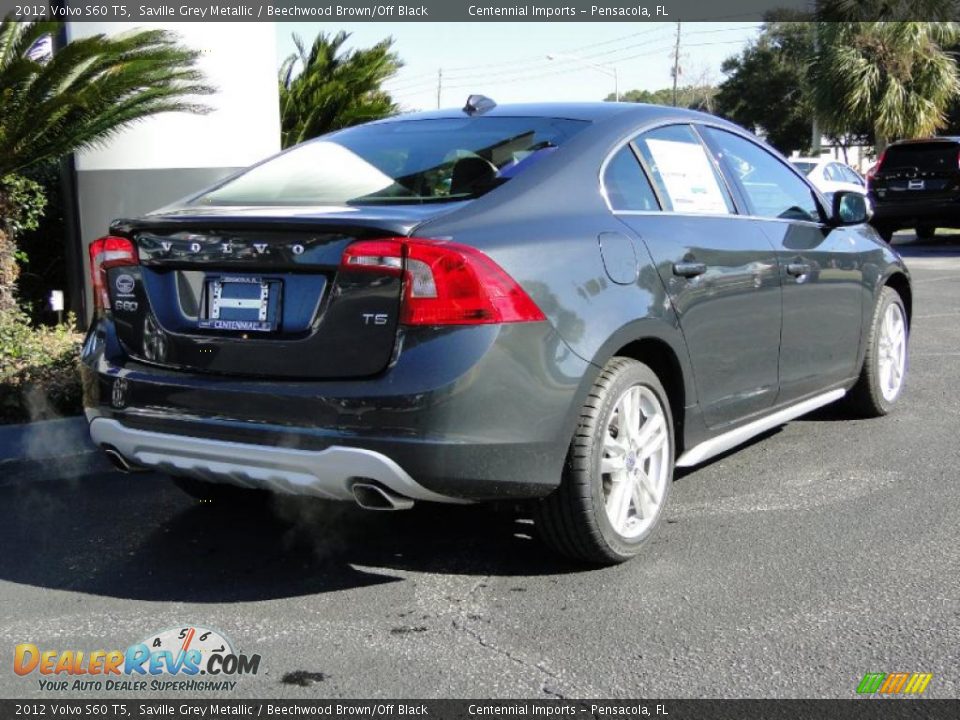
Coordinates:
column 79, row 97
column 895, row 77
column 334, row 88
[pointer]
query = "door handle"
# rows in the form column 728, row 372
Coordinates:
column 689, row 269
column 797, row 269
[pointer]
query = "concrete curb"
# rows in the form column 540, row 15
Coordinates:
column 48, row 450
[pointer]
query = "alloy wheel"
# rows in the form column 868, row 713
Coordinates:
column 892, row 355
column 635, row 465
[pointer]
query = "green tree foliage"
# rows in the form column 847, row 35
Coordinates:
column 765, row 86
column 22, row 203
column 87, row 91
column 327, row 87
column 77, row 98
column 884, row 10
column 693, row 97
column 895, row 77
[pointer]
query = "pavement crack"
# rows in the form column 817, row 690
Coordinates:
column 481, row 583
column 460, row 625
column 550, row 691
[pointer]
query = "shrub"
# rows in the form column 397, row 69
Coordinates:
column 21, row 205
column 39, row 377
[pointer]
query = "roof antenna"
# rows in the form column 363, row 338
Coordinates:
column 478, row 104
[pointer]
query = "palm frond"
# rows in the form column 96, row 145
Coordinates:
column 89, row 90
column 335, row 87
column 894, row 76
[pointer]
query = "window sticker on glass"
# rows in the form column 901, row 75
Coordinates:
column 687, row 176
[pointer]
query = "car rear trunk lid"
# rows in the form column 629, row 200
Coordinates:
column 257, row 297
column 918, row 171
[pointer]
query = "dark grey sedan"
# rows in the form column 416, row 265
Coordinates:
column 559, row 303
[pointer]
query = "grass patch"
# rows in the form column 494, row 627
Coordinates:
column 39, row 376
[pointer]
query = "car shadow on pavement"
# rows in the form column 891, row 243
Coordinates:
column 946, row 243
column 137, row 537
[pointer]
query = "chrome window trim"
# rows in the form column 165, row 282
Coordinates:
column 735, row 216
column 733, row 130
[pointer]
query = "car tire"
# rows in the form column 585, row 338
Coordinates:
column 627, row 470
column 885, row 360
column 218, row 493
column 885, row 232
column 925, row 232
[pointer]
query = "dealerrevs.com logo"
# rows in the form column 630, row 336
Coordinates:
column 183, row 658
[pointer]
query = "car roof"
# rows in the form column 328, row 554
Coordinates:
column 917, row 141
column 820, row 160
column 589, row 111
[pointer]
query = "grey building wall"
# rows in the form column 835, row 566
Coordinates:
column 106, row 195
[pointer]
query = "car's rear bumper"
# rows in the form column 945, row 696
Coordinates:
column 478, row 413
column 329, row 474
column 911, row 213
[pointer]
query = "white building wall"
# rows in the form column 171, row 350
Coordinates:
column 169, row 156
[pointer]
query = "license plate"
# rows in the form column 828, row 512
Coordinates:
column 241, row 303
column 915, row 185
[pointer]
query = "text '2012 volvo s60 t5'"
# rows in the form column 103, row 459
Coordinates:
column 558, row 303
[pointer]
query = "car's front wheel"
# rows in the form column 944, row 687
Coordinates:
column 885, row 361
column 619, row 469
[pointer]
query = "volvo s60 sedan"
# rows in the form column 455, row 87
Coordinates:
column 558, row 303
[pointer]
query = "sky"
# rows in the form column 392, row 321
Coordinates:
column 508, row 61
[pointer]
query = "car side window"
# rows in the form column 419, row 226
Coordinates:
column 772, row 189
column 626, row 184
column 850, row 175
column 684, row 172
column 832, row 172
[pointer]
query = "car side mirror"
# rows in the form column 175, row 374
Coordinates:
column 849, row 208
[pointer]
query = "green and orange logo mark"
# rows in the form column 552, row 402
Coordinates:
column 894, row 683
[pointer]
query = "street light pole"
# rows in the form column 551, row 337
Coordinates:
column 676, row 65
column 607, row 70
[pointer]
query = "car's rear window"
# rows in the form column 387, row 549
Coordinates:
column 805, row 167
column 926, row 157
column 406, row 161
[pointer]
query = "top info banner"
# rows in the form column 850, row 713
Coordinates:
column 479, row 11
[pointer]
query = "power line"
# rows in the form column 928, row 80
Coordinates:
column 478, row 76
column 565, row 70
column 425, row 79
column 514, row 61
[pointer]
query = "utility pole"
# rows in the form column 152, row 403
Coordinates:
column 815, row 128
column 676, row 64
column 439, row 85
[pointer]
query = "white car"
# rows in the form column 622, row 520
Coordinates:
column 829, row 175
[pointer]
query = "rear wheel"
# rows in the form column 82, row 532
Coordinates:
column 219, row 493
column 925, row 232
column 885, row 360
column 618, row 472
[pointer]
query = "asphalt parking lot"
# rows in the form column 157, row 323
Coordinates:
column 824, row 550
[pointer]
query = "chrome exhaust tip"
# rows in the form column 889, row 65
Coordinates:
column 120, row 462
column 374, row 497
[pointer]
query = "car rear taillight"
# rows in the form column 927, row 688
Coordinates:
column 106, row 253
column 444, row 283
column 872, row 172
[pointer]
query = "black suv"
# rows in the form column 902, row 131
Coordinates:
column 916, row 184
